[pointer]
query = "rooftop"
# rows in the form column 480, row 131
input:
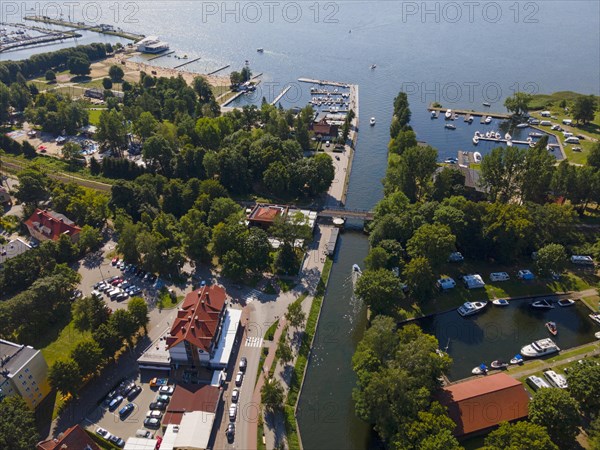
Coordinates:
column 191, row 397
column 267, row 213
column 12, row 249
column 74, row 438
column 51, row 224
column 14, row 356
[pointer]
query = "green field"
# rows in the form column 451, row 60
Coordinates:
column 95, row 116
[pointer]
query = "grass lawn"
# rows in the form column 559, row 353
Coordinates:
column 66, row 341
column 95, row 116
column 167, row 302
column 573, row 280
column 593, row 302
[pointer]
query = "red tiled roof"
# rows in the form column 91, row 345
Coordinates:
column 191, row 397
column 482, row 403
column 266, row 213
column 75, row 438
column 51, row 224
column 198, row 318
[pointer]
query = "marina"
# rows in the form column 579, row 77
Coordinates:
column 98, row 28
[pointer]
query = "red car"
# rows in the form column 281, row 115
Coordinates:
column 114, row 261
column 117, row 281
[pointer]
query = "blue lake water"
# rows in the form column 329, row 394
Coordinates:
column 457, row 57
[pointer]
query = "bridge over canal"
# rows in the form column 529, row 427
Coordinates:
column 342, row 213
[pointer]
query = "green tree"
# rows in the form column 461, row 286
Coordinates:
column 431, row 430
column 584, row 109
column 157, row 152
column 235, row 77
column 381, row 290
column 419, row 277
column 537, row 173
column 89, row 312
column 138, row 309
column 88, row 356
column 518, row 103
column 71, row 151
column 107, row 83
column 509, row 229
column 272, row 395
column 257, row 249
column 521, row 435
column 377, row 259
column 4, row 103
column 112, row 131
column 108, row 338
column 593, row 158
column 234, row 265
column 196, row 236
column 432, row 241
column 116, row 74
column 284, row 352
column 584, row 386
column 286, row 260
column 17, row 425
column 33, row 185
column 65, row 376
column 412, row 172
column 502, row 173
column 124, row 323
column 551, row 258
column 90, row 239
column 79, row 65
column 50, row 76
column 145, row 125
column 222, row 209
column 295, row 316
column 447, row 183
column 594, row 433
column 556, row 410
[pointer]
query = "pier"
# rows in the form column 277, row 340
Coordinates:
column 219, row 69
column 280, row 96
column 471, row 113
column 82, row 26
column 186, row 63
column 323, row 82
column 483, row 138
column 160, row 56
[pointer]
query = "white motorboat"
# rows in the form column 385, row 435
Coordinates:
column 470, row 119
column 434, row 114
column 373, row 66
column 475, row 140
column 529, row 139
column 487, row 104
column 477, row 133
column 523, row 125
column 488, row 134
column 497, row 135
column 531, row 145
column 536, row 134
column 450, row 126
column 597, row 335
column 470, row 308
column 509, row 143
column 372, row 121
column 517, row 359
column 477, row 157
column 480, row 370
column 500, row 302
column 539, row 348
column 356, row 274
column 552, row 328
column 498, row 364
column 564, row 302
column 595, row 317
column 488, row 120
column 556, row 379
column 542, row 304
column 448, row 114
column 508, row 137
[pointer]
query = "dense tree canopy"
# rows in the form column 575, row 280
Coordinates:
column 17, row 425
column 557, row 411
column 521, row 435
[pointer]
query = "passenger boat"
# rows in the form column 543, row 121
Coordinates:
column 373, row 66
column 498, row 364
column 480, row 370
column 539, row 348
column 448, row 114
column 556, row 380
column 488, row 120
column 542, row 304
column 470, row 308
column 500, row 302
column 595, row 317
column 450, row 126
column 517, row 359
column 564, row 302
column 523, row 125
column 552, row 328
column 372, row 121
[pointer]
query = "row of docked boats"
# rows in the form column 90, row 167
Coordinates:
column 328, row 101
column 471, row 308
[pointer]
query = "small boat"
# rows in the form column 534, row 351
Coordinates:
column 488, row 134
column 597, row 335
column 260, row 49
column 470, row 119
column 448, row 114
column 500, row 302
column 509, row 143
column 497, row 135
column 480, row 370
column 508, row 137
column 372, row 121
column 552, row 328
column 595, row 317
column 478, row 134
column 529, row 139
column 373, row 66
column 523, row 125
column 487, row 104
column 185, row 56
column 450, row 126
column 542, row 304
column 434, row 114
column 517, row 359
column 470, row 308
column 536, row 134
column 539, row 348
column 488, row 120
column 477, row 157
column 356, row 268
column 531, row 145
column 564, row 302
column 475, row 140
column 498, row 364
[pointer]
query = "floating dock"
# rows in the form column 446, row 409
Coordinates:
column 186, row 63
column 323, row 82
column 331, row 244
column 280, row 96
column 504, row 140
column 471, row 113
column 160, row 56
column 219, row 69
column 83, row 26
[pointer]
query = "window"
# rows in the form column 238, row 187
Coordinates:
column 26, row 370
column 20, row 376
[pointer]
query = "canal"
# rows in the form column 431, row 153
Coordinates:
column 500, row 332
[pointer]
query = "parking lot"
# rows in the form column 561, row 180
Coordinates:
column 124, row 428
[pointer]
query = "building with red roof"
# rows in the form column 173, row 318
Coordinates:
column 264, row 215
column 45, row 225
column 74, row 438
column 480, row 404
column 197, row 329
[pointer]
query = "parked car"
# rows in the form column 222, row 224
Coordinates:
column 163, row 398
column 152, row 423
column 499, row 276
column 121, row 296
column 103, row 433
column 126, row 410
column 582, row 259
column 239, row 378
column 134, row 393
column 115, row 261
column 230, row 432
column 141, row 433
column 243, row 364
column 117, row 441
column 155, row 413
column 115, row 402
column 158, row 406
column 456, row 257
column 235, row 395
column 525, row 275
column 125, row 387
column 166, row 390
column 232, row 412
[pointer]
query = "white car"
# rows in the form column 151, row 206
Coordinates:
column 235, row 395
column 239, row 378
column 166, row 390
column 499, row 276
column 446, row 283
column 103, row 433
column 232, row 412
column 155, row 414
column 582, row 259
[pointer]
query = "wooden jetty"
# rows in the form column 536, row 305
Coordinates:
column 472, row 113
column 280, row 96
column 160, row 56
column 483, row 138
column 219, row 69
column 323, row 82
column 83, row 26
column 186, row 63
column 256, row 76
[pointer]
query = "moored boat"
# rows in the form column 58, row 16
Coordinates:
column 477, row 157
column 551, row 326
column 450, row 126
column 536, row 134
column 498, row 364
column 523, row 125
column 480, row 370
column 487, row 104
column 488, row 119
column 434, row 114
column 475, row 140
column 539, row 348
column 517, row 359
column 542, row 304
column 448, row 114
column 470, row 308
column 595, row 317
column 372, row 121
column 500, row 302
column 564, row 302
column 508, row 137
column 597, row 335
